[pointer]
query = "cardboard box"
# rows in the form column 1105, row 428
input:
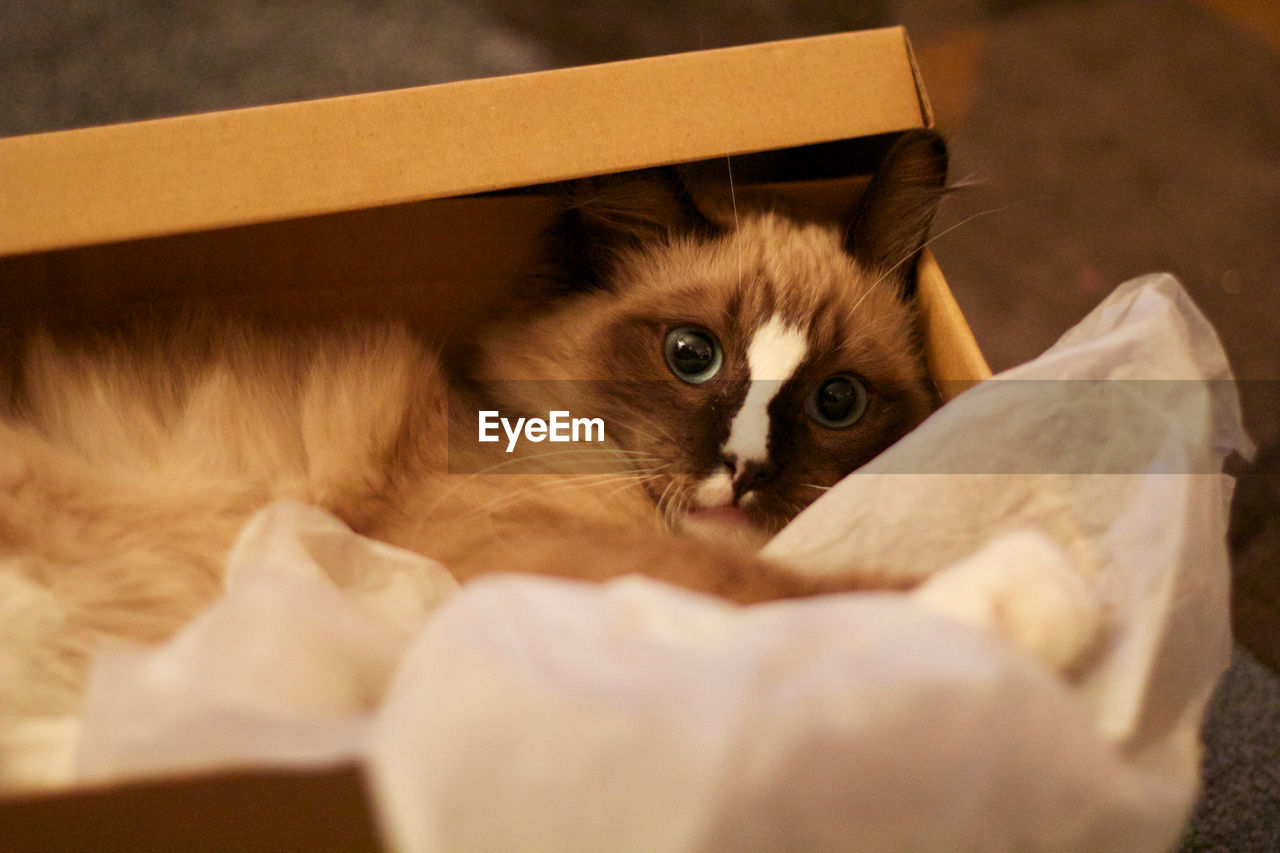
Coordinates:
column 397, row 203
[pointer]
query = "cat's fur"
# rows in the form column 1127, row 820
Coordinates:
column 131, row 462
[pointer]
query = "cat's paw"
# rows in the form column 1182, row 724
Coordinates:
column 1024, row 590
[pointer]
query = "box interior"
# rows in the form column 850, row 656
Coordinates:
column 261, row 210
column 439, row 265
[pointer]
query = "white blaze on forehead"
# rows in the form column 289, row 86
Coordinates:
column 775, row 352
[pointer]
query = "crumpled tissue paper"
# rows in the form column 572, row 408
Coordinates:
column 540, row 713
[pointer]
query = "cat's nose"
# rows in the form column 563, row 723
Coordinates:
column 748, row 475
column 751, row 475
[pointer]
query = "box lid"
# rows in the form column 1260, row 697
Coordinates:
column 215, row 170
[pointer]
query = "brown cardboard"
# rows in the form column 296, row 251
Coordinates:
column 431, row 263
column 953, row 356
column 350, row 205
column 193, row 173
column 316, row 810
column 283, row 207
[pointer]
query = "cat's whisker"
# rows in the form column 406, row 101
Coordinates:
column 914, row 253
column 428, row 515
column 686, row 504
column 640, row 457
column 737, row 230
column 679, row 507
column 944, row 232
column 506, row 463
column 666, row 435
column 664, row 505
column 576, row 482
column 619, row 489
column 584, row 451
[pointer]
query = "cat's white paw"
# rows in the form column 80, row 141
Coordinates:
column 1022, row 588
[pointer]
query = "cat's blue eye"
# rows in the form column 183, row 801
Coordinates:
column 692, row 354
column 838, row 401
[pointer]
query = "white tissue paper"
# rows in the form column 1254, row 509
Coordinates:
column 536, row 713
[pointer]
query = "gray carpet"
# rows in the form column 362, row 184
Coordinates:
column 1240, row 807
column 1106, row 139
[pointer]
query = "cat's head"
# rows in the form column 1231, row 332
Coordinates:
column 741, row 369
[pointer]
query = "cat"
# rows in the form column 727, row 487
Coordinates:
column 741, row 365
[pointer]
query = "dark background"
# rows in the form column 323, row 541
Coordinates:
column 1100, row 140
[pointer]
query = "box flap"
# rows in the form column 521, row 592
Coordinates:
column 955, row 361
column 262, row 809
column 119, row 182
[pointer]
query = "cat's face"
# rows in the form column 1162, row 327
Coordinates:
column 741, row 371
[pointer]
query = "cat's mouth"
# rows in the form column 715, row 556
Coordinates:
column 710, row 510
column 725, row 516
column 726, row 522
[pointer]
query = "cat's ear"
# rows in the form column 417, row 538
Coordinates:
column 892, row 220
column 613, row 214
